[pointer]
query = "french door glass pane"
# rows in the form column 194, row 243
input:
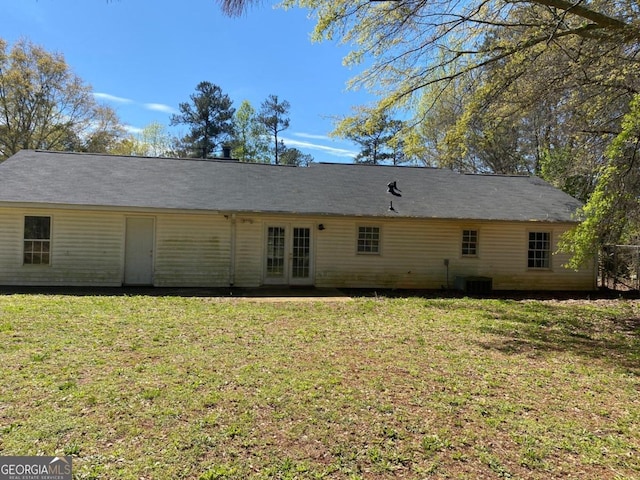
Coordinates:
column 275, row 251
column 301, row 251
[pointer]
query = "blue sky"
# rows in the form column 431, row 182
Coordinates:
column 144, row 57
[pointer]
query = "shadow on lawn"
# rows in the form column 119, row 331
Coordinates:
column 538, row 328
column 532, row 328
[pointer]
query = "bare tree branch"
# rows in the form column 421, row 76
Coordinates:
column 600, row 19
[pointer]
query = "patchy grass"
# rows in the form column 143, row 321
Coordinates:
column 202, row 388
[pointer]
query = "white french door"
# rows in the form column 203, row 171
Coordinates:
column 289, row 255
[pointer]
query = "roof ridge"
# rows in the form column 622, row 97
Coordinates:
column 235, row 160
column 364, row 165
column 96, row 154
column 507, row 175
column 148, row 157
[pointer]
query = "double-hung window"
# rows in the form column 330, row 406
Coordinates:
column 368, row 240
column 539, row 253
column 469, row 243
column 37, row 240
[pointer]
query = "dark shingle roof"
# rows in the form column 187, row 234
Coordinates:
column 331, row 189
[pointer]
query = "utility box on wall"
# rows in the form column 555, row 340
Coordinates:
column 474, row 285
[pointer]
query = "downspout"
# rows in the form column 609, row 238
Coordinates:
column 232, row 253
column 446, row 265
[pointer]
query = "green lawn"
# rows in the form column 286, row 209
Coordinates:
column 204, row 388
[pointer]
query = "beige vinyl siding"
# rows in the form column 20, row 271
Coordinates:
column 86, row 248
column 11, row 230
column 413, row 254
column 192, row 250
column 250, row 250
column 503, row 257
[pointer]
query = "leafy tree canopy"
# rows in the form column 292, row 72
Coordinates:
column 43, row 105
column 209, row 116
column 293, row 156
column 152, row 141
column 273, row 116
column 377, row 134
column 251, row 137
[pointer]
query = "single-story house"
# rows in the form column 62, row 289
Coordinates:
column 102, row 220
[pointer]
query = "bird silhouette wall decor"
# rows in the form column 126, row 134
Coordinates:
column 393, row 189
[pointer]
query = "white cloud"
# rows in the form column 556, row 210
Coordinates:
column 156, row 107
column 160, row 107
column 335, row 151
column 133, row 130
column 111, row 98
column 311, row 135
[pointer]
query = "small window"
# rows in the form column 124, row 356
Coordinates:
column 469, row 243
column 37, row 240
column 368, row 240
column 539, row 250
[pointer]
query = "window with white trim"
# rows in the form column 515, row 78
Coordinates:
column 539, row 253
column 368, row 240
column 37, row 240
column 469, row 243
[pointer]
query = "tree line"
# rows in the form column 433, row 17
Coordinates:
column 44, row 105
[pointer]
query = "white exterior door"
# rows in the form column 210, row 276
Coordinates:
column 289, row 255
column 138, row 251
